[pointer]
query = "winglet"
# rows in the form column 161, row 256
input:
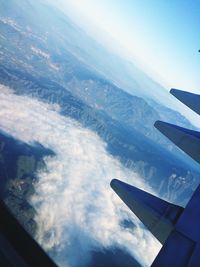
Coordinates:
column 158, row 215
column 185, row 139
column 189, row 99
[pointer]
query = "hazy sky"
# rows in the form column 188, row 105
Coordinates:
column 163, row 36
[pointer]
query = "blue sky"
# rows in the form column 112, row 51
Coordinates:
column 162, row 36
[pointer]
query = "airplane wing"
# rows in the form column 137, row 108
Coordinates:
column 189, row 99
column 175, row 227
column 182, row 248
column 185, row 139
column 158, row 215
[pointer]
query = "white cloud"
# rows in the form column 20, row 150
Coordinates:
column 76, row 210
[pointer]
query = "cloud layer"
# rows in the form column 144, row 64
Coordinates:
column 77, row 212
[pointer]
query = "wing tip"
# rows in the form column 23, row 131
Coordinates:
column 112, row 182
column 173, row 91
column 158, row 124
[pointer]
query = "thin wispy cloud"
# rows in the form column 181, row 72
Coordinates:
column 77, row 212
